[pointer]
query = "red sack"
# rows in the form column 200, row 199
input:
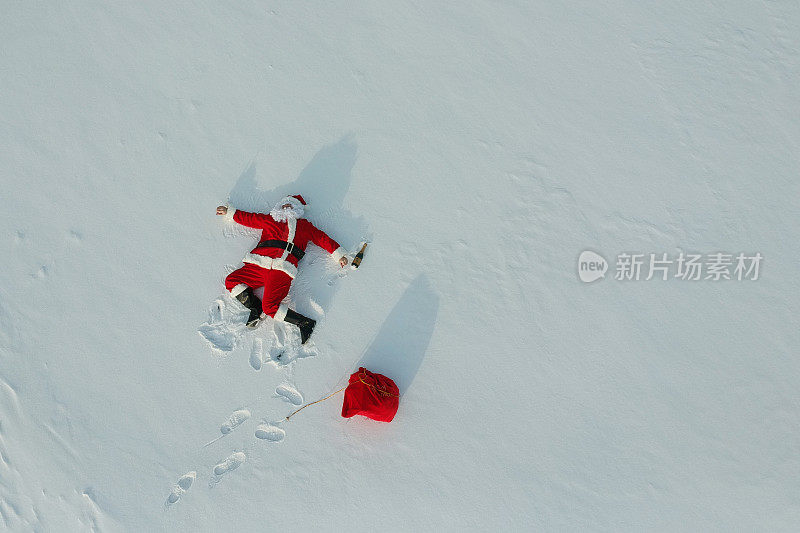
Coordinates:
column 372, row 395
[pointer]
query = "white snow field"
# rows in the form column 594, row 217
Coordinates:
column 480, row 146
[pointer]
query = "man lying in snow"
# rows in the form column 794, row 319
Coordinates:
column 272, row 264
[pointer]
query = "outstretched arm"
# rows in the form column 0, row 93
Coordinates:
column 321, row 239
column 245, row 218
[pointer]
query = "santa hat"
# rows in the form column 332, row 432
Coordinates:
column 299, row 197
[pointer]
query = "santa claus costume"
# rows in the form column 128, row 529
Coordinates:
column 272, row 264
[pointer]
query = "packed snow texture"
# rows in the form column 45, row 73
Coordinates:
column 480, row 147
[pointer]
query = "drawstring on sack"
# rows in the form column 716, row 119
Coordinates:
column 361, row 377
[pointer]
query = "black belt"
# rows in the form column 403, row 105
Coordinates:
column 283, row 245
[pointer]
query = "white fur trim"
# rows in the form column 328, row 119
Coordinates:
column 292, row 223
column 271, row 264
column 230, row 213
column 338, row 254
column 280, row 314
column 239, row 289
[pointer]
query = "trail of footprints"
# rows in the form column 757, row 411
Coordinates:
column 265, row 431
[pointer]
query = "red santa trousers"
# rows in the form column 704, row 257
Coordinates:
column 276, row 284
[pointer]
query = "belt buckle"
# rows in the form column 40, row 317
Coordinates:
column 290, row 247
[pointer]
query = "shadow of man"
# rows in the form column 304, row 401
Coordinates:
column 324, row 183
column 400, row 345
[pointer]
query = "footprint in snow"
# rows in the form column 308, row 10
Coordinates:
column 270, row 433
column 290, row 394
column 257, row 354
column 277, row 346
column 232, row 462
column 184, row 483
column 174, row 496
column 234, row 421
column 186, row 480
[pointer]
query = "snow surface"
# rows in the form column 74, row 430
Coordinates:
column 481, row 146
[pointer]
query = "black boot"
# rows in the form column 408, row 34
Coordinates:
column 250, row 301
column 305, row 324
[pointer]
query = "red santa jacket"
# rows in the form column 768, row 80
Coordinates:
column 297, row 232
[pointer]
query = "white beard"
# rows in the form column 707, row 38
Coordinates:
column 284, row 215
